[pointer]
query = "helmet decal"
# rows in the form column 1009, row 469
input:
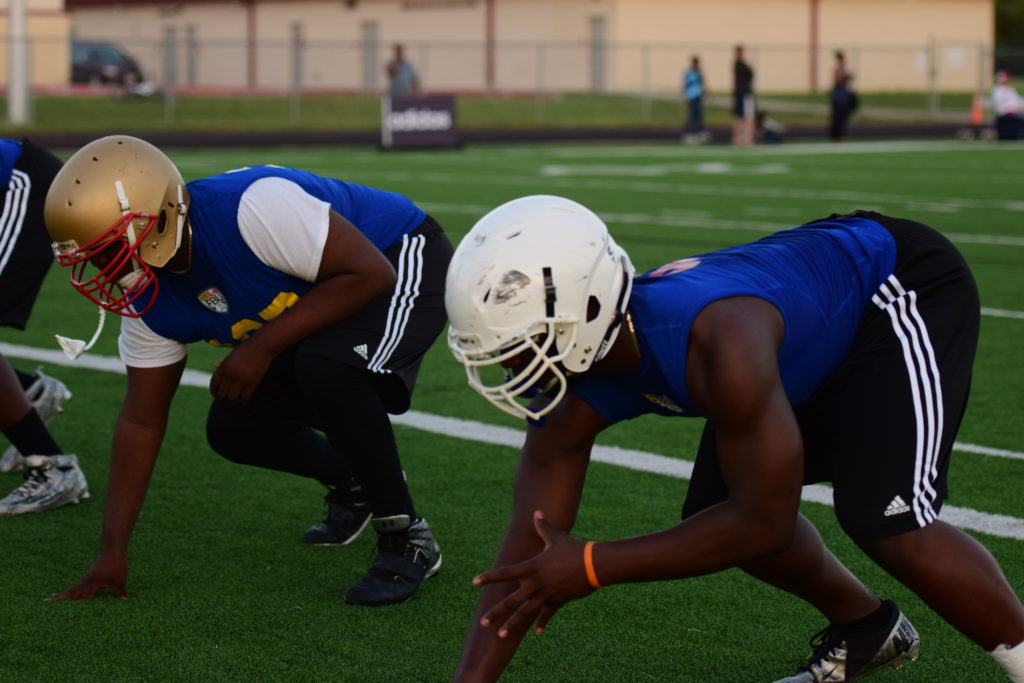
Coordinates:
column 510, row 285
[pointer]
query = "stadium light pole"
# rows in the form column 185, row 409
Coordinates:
column 250, row 44
column 813, row 70
column 17, row 64
column 489, row 45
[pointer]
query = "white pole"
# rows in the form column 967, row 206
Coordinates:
column 17, row 74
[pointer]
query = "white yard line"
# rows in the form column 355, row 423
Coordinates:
column 852, row 197
column 984, row 522
column 996, row 525
column 1002, row 313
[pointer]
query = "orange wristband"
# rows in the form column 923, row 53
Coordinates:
column 588, row 564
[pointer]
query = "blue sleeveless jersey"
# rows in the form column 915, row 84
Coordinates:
column 10, row 152
column 228, row 292
column 820, row 276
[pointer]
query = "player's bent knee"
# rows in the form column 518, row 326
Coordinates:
column 898, row 551
column 328, row 380
column 228, row 439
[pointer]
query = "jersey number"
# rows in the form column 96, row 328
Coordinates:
column 245, row 327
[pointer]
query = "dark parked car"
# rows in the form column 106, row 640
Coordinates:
column 96, row 62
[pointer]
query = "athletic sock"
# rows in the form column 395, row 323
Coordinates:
column 1011, row 659
column 31, row 437
column 26, row 380
column 877, row 619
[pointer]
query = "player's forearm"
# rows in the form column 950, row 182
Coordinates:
column 485, row 655
column 718, row 538
column 131, row 466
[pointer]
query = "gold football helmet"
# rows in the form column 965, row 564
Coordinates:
column 119, row 205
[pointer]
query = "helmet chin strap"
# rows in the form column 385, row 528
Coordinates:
column 122, row 198
column 127, row 280
column 73, row 348
column 182, row 213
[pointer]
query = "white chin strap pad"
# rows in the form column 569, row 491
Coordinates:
column 73, row 348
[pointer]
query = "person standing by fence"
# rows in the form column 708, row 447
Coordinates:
column 402, row 77
column 694, row 91
column 1009, row 107
column 743, row 107
column 841, row 97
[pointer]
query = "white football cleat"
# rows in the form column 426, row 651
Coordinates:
column 51, row 481
column 839, row 657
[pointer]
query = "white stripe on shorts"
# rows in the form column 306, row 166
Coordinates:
column 13, row 217
column 407, row 288
column 925, row 389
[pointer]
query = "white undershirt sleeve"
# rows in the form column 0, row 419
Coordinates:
column 285, row 226
column 141, row 347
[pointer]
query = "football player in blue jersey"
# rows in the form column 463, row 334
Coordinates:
column 838, row 351
column 326, row 294
column 53, row 478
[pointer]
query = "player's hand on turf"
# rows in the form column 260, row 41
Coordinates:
column 241, row 371
column 547, row 581
column 105, row 574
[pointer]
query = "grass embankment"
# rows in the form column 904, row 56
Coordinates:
column 105, row 112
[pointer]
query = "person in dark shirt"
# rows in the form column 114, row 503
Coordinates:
column 744, row 107
column 841, row 97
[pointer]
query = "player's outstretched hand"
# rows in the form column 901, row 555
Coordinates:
column 547, row 581
column 105, row 574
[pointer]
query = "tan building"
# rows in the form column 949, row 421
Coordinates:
column 47, row 27
column 530, row 45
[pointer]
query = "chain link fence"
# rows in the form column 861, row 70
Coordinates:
column 178, row 63
column 181, row 60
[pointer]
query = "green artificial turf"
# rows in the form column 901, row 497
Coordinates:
column 222, row 589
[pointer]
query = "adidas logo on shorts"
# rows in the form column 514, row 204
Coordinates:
column 362, row 350
column 897, row 507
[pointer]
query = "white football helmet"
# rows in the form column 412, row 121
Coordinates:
column 121, row 205
column 538, row 274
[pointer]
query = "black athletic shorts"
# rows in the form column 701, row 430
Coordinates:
column 25, row 253
column 743, row 106
column 389, row 337
column 881, row 427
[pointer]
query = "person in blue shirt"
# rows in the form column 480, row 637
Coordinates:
column 326, row 295
column 694, row 92
column 28, row 402
column 837, row 351
column 402, row 77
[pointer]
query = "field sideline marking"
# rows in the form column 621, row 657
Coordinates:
column 966, row 518
column 1001, row 313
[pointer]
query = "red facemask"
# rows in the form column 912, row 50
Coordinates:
column 123, row 276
